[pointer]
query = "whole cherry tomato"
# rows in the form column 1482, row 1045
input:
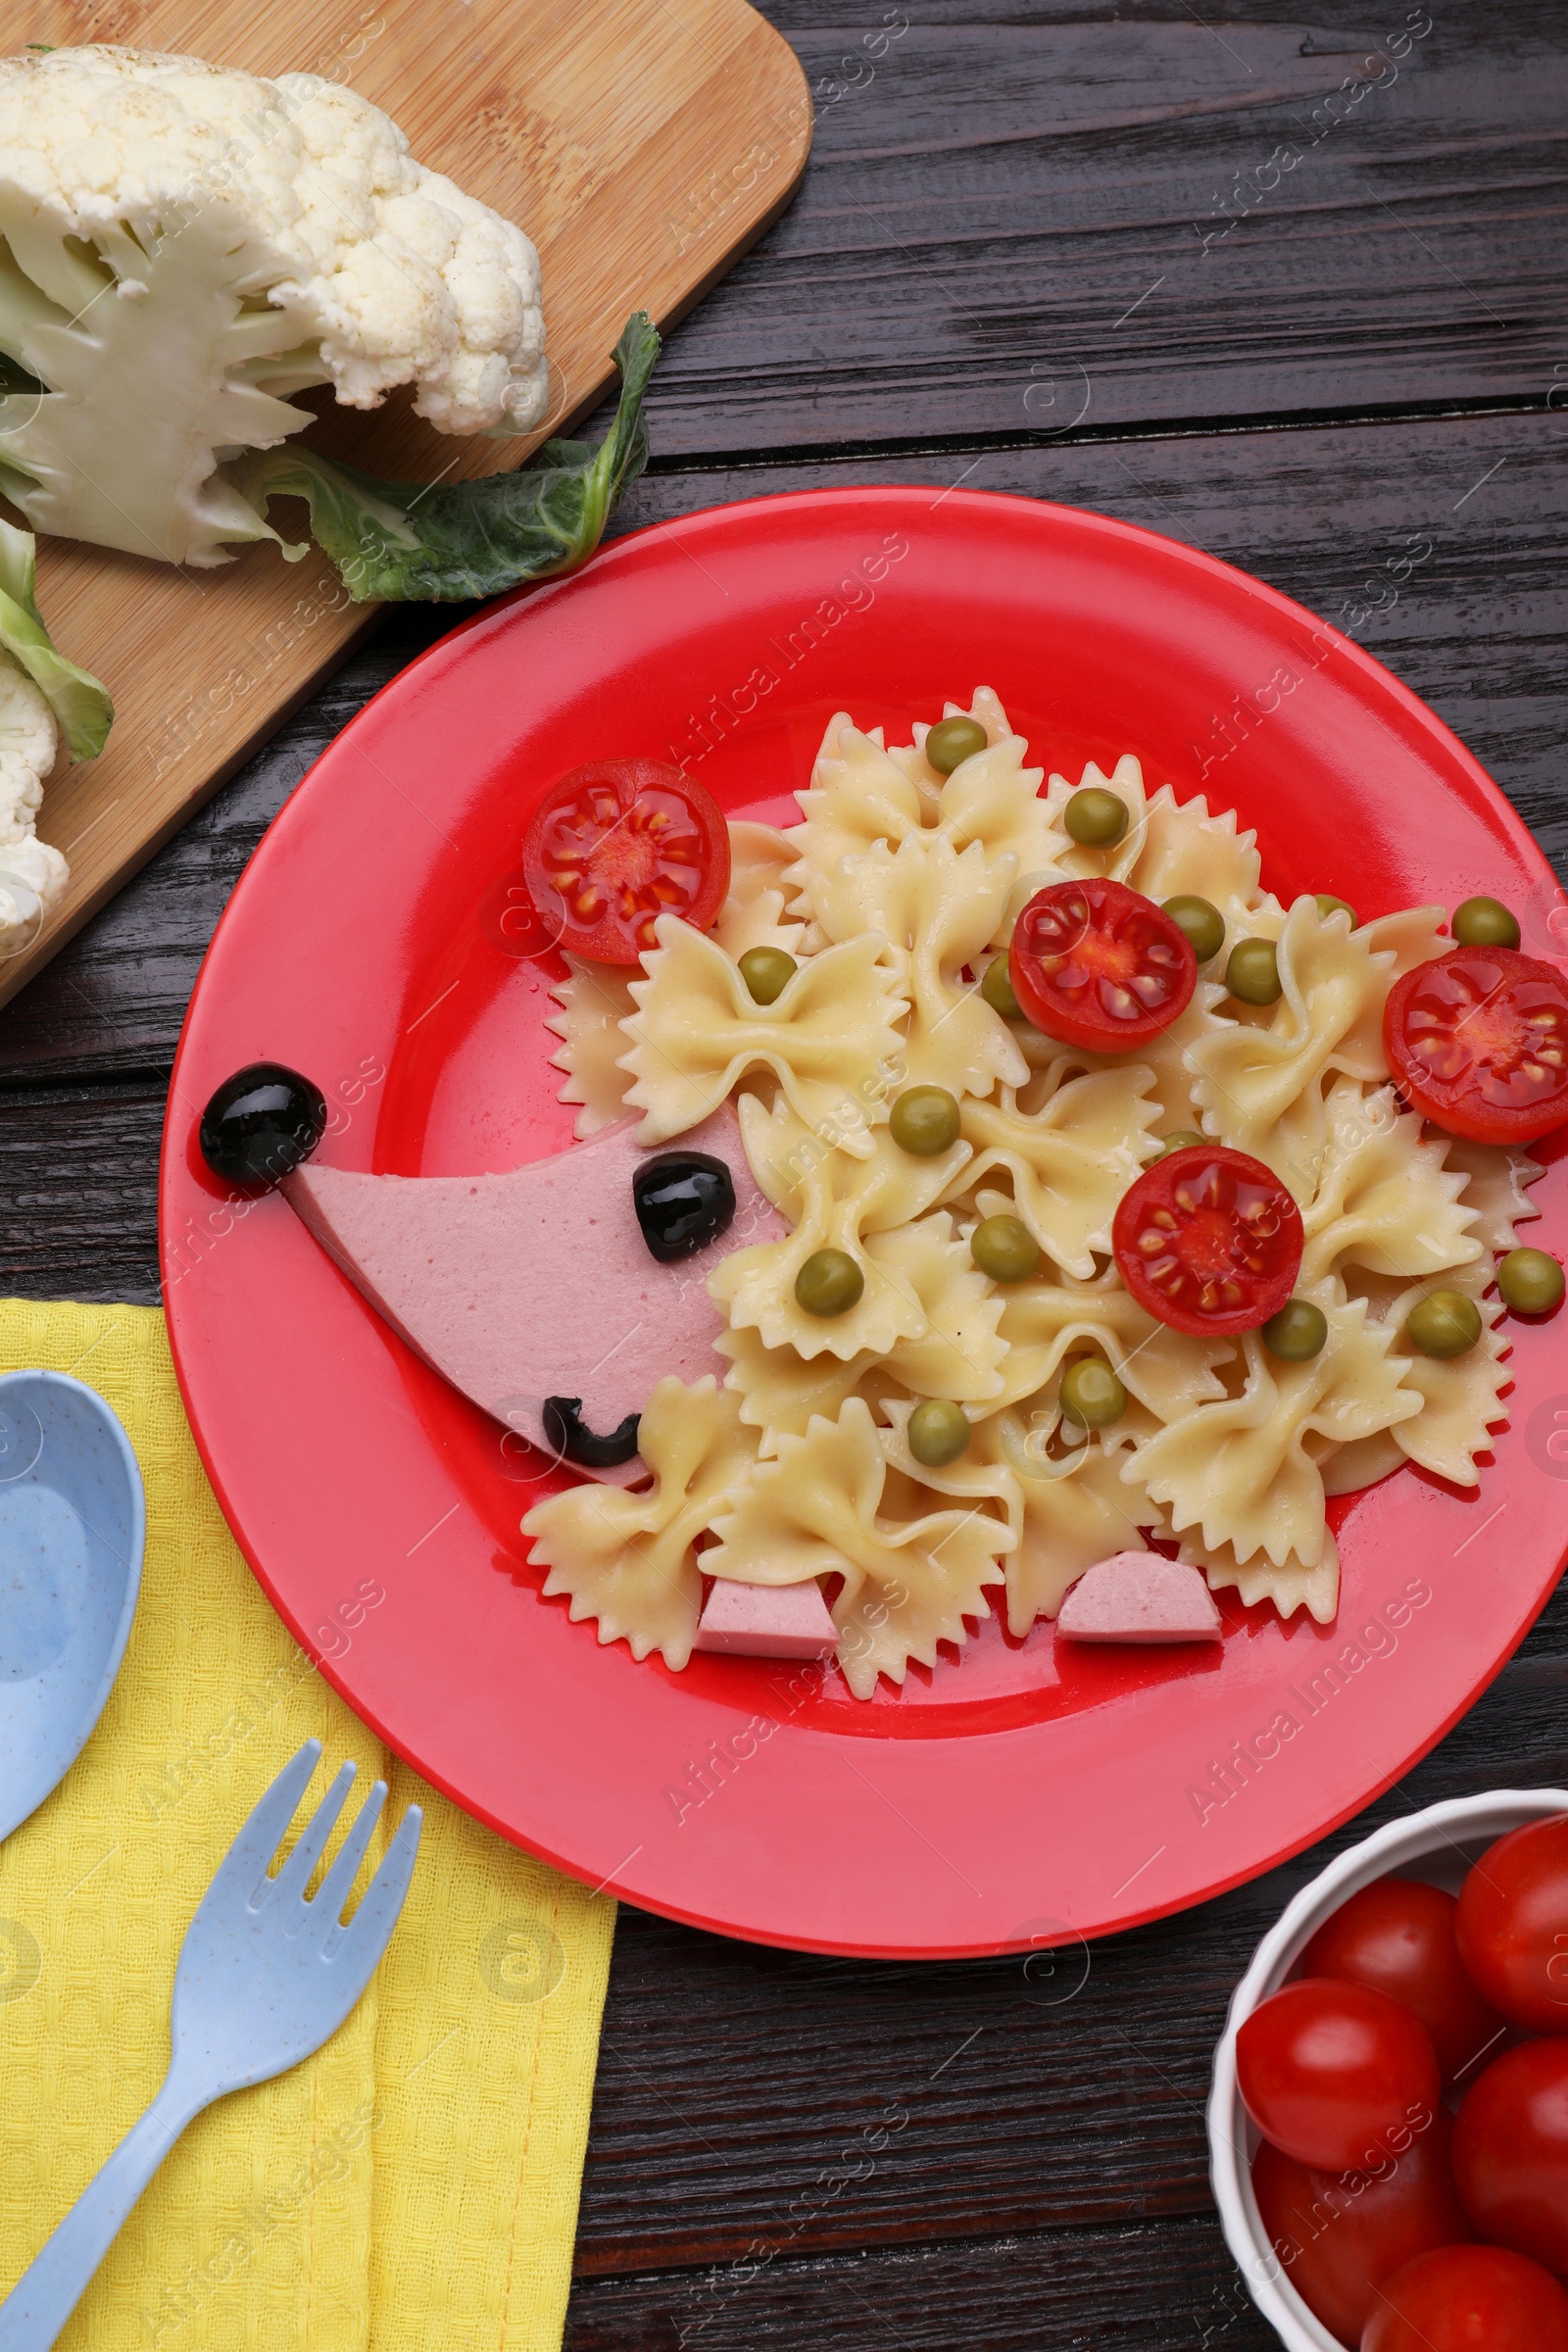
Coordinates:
column 1510, row 2152
column 1209, row 1240
column 1336, row 2075
column 1100, row 965
column 1478, row 1041
column 1398, row 1935
column 1469, row 2299
column 1512, row 1925
column 1340, row 2234
column 618, row 843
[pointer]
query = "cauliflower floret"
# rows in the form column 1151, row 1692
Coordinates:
column 32, row 874
column 184, row 246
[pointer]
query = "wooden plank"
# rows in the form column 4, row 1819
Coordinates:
column 1155, row 2288
column 642, row 144
column 1002, row 226
column 1477, row 630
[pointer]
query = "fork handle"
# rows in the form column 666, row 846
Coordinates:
column 55, row 2280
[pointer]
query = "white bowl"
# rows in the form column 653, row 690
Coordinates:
column 1440, row 1845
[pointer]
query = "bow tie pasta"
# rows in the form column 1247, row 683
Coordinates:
column 977, row 1406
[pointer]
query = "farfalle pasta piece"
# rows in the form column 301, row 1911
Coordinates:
column 975, row 1477
column 1260, row 1087
column 760, row 858
column 1412, row 936
column 779, row 1390
column 1497, row 1190
column 628, row 1561
column 1290, row 1586
column 1126, row 781
column 1459, row 1394
column 993, row 801
column 835, row 1203
column 1069, row 1157
column 1186, row 852
column 957, row 1355
column 985, row 710
column 961, row 1350
column 1383, row 1198
column 797, row 1169
column 857, row 796
column 1072, row 1513
column 815, row 1510
column 593, row 1000
column 937, row 909
column 752, row 914
column 1239, row 1470
column 1044, row 1322
column 1347, row 1469
column 830, row 1039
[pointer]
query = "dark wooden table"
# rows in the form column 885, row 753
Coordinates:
column 1291, row 289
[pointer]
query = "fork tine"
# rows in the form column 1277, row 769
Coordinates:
column 362, row 1942
column 333, row 1891
column 295, row 1874
column 246, row 1860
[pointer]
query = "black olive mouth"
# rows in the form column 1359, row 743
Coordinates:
column 684, row 1200
column 568, row 1435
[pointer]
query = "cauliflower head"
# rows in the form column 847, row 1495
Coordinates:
column 184, row 246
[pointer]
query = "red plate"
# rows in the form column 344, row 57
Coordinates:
column 1024, row 1791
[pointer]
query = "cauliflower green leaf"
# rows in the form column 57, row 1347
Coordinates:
column 80, row 702
column 392, row 541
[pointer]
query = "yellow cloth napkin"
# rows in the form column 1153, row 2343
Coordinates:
column 413, row 2186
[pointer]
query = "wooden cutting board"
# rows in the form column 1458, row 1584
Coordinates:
column 642, row 144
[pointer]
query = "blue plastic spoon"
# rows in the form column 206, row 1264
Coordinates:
column 72, row 1524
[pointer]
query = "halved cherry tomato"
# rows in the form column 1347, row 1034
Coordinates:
column 1469, row 2299
column 1336, row 2075
column 1209, row 1240
column 1098, row 965
column 1478, row 1041
column 618, row 843
column 1512, row 1925
column 1341, row 2235
column 1510, row 2152
column 1398, row 1935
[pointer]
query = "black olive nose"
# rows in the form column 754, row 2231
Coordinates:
column 684, row 1200
column 261, row 1124
column 566, row 1434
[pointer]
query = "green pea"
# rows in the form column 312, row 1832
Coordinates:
column 1443, row 1323
column 1092, row 1393
column 1327, row 904
column 1184, row 1139
column 1484, row 923
column 1297, row 1333
column 829, row 1284
column 1204, row 925
column 997, row 990
column 1529, row 1282
column 925, row 1121
column 1096, row 819
column 1253, row 971
column 953, row 741
column 939, row 1432
column 1005, row 1249
column 767, row 973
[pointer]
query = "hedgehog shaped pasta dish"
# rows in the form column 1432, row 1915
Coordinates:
column 1095, row 1200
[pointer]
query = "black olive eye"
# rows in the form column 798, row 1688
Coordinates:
column 684, row 1200
column 566, row 1434
column 261, row 1124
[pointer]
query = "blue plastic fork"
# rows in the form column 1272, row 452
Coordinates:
column 263, row 1978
